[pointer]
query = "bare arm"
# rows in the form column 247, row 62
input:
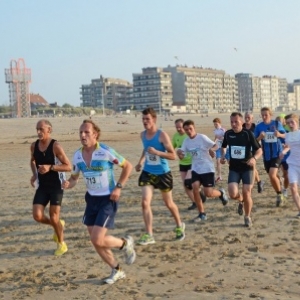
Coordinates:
column 32, row 166
column 126, row 171
column 138, row 167
column 71, row 182
column 60, row 154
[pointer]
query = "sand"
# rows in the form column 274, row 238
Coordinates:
column 219, row 259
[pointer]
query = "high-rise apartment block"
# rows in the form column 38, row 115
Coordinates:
column 203, row 90
column 153, row 88
column 256, row 92
column 107, row 93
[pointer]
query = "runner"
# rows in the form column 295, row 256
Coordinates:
column 156, row 174
column 185, row 164
column 251, row 126
column 267, row 132
column 202, row 149
column 244, row 150
column 292, row 144
column 48, row 164
column 219, row 136
column 96, row 161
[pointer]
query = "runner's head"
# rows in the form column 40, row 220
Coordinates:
column 43, row 129
column 189, row 128
column 179, row 126
column 292, row 120
column 236, row 121
column 149, row 117
column 217, row 123
column 266, row 114
column 248, row 117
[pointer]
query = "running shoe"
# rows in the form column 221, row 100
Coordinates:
column 223, row 196
column 279, row 200
column 200, row 218
column 240, row 209
column 285, row 193
column 146, row 239
column 128, row 248
column 61, row 249
column 193, row 206
column 248, row 222
column 180, row 232
column 203, row 197
column 55, row 237
column 260, row 186
column 114, row 276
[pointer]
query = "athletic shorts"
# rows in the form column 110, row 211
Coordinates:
column 184, row 168
column 45, row 195
column 218, row 153
column 273, row 163
column 206, row 179
column 294, row 174
column 245, row 176
column 285, row 165
column 99, row 211
column 162, row 182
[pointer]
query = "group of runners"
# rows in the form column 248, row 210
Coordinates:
column 96, row 160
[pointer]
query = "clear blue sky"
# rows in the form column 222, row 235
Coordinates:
column 66, row 43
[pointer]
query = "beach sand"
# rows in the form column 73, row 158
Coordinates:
column 219, row 259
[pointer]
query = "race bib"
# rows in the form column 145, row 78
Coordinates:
column 95, row 180
column 152, row 159
column 270, row 137
column 238, row 152
column 195, row 153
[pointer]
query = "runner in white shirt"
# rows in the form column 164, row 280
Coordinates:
column 292, row 142
column 202, row 149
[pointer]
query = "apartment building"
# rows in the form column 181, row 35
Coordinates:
column 108, row 93
column 203, row 90
column 152, row 88
column 245, row 94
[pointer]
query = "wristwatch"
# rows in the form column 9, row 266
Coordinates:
column 119, row 185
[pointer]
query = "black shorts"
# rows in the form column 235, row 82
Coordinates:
column 162, row 182
column 206, row 179
column 45, row 195
column 273, row 163
column 184, row 168
column 245, row 176
column 99, row 211
column 285, row 166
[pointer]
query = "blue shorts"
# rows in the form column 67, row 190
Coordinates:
column 99, row 211
column 218, row 153
column 245, row 176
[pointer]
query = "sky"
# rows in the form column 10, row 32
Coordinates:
column 67, row 43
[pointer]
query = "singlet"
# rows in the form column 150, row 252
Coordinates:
column 99, row 176
column 154, row 164
column 241, row 145
column 51, row 179
column 177, row 141
column 271, row 145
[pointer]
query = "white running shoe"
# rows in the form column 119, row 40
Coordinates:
column 130, row 254
column 115, row 276
column 285, row 193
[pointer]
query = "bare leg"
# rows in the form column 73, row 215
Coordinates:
column 147, row 193
column 168, row 199
column 54, row 219
column 38, row 213
column 198, row 200
column 275, row 181
column 295, row 194
column 248, row 203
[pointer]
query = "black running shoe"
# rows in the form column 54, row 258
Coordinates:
column 240, row 209
column 193, row 206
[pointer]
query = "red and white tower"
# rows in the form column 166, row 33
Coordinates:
column 18, row 77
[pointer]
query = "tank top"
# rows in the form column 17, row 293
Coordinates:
column 51, row 179
column 154, row 164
